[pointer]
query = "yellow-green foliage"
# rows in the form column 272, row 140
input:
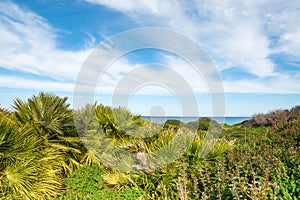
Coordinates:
column 38, row 148
column 27, row 170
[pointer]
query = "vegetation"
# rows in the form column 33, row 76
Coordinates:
column 108, row 153
column 274, row 118
column 88, row 183
column 204, row 124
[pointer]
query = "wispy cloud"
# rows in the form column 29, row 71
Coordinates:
column 278, row 85
column 28, row 44
column 240, row 34
column 231, row 32
column 42, row 85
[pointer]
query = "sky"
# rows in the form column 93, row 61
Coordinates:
column 253, row 45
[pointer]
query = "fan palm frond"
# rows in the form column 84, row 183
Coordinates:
column 24, row 165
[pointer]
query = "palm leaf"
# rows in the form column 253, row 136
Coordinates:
column 24, row 164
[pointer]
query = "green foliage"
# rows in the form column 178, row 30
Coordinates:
column 263, row 164
column 39, row 147
column 47, row 114
column 6, row 112
column 26, row 170
column 88, row 183
column 173, row 124
column 204, row 124
column 116, row 122
column 286, row 182
column 86, row 180
column 51, row 119
column 166, row 182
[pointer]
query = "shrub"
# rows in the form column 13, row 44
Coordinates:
column 273, row 117
column 204, row 124
column 173, row 124
column 88, row 183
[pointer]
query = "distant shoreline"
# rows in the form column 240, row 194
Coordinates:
column 186, row 119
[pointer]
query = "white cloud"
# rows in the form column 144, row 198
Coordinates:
column 169, row 13
column 282, row 21
column 281, row 85
column 291, row 42
column 131, row 6
column 234, row 33
column 42, row 85
column 28, row 44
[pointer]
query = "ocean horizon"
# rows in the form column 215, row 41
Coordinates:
column 186, row 119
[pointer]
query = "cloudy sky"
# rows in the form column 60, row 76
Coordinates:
column 254, row 45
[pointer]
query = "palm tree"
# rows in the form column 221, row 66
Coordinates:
column 48, row 114
column 87, row 126
column 51, row 120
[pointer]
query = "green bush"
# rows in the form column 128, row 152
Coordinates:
column 204, row 124
column 88, row 183
column 286, row 182
column 173, row 124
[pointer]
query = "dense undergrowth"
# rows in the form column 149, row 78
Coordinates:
column 42, row 157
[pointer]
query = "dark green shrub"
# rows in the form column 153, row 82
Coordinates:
column 204, row 124
column 173, row 124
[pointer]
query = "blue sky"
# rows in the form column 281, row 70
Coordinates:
column 254, row 45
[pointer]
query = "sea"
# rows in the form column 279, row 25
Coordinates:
column 221, row 120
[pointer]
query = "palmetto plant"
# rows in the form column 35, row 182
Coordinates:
column 26, row 172
column 49, row 115
column 51, row 120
